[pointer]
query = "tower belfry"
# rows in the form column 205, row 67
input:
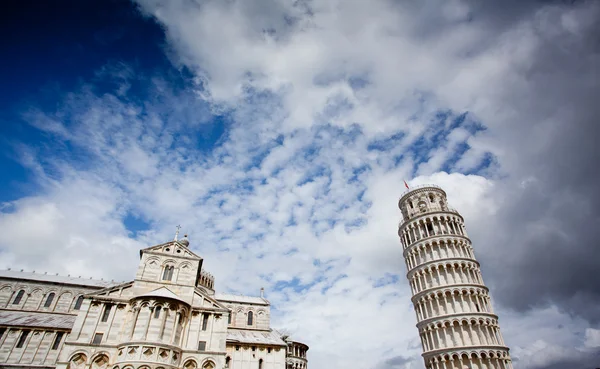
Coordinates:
column 455, row 319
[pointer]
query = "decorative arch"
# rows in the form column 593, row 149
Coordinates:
column 19, row 296
column 64, row 301
column 185, row 264
column 169, row 262
column 77, row 360
column 190, row 364
column 209, row 364
column 5, row 294
column 77, row 302
column 100, row 361
column 34, row 299
column 153, row 261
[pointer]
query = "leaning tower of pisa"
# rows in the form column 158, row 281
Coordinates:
column 457, row 325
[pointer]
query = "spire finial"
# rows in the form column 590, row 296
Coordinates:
column 177, row 232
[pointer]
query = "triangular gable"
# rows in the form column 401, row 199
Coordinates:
column 162, row 292
column 185, row 252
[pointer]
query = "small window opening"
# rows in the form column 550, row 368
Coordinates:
column 23, row 338
column 57, row 340
column 227, row 360
column 260, row 364
column 431, row 198
column 78, row 303
column 201, row 345
column 250, row 318
column 18, row 298
column 49, row 300
column 97, row 338
column 229, row 317
column 237, row 348
column 204, row 321
column 269, row 350
column 429, row 228
column 477, row 307
column 253, row 348
column 411, row 205
column 157, row 312
column 106, row 312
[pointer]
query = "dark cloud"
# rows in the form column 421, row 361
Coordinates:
column 583, row 361
column 397, row 362
column 542, row 247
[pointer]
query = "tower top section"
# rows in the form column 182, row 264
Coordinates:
column 422, row 199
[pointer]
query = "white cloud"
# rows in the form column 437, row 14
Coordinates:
column 317, row 213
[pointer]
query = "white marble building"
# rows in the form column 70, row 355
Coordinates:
column 168, row 317
column 456, row 322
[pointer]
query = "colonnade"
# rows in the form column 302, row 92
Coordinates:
column 484, row 359
column 438, row 249
column 451, row 302
column 444, row 274
column 437, row 225
column 162, row 322
column 461, row 333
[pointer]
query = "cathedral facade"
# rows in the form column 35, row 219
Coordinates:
column 168, row 317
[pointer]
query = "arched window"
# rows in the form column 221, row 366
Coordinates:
column 23, row 338
column 168, row 273
column 260, row 366
column 157, row 312
column 250, row 317
column 78, row 303
column 49, row 300
column 227, row 360
column 17, row 299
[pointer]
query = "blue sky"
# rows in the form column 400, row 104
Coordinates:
column 279, row 135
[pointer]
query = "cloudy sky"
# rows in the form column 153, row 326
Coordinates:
column 278, row 134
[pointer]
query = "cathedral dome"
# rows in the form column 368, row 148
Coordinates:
column 184, row 241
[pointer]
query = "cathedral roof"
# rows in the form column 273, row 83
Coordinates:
column 257, row 337
column 13, row 318
column 240, row 298
column 55, row 278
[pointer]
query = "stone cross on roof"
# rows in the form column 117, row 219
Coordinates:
column 177, row 232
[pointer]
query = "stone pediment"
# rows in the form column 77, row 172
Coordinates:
column 171, row 248
column 163, row 292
